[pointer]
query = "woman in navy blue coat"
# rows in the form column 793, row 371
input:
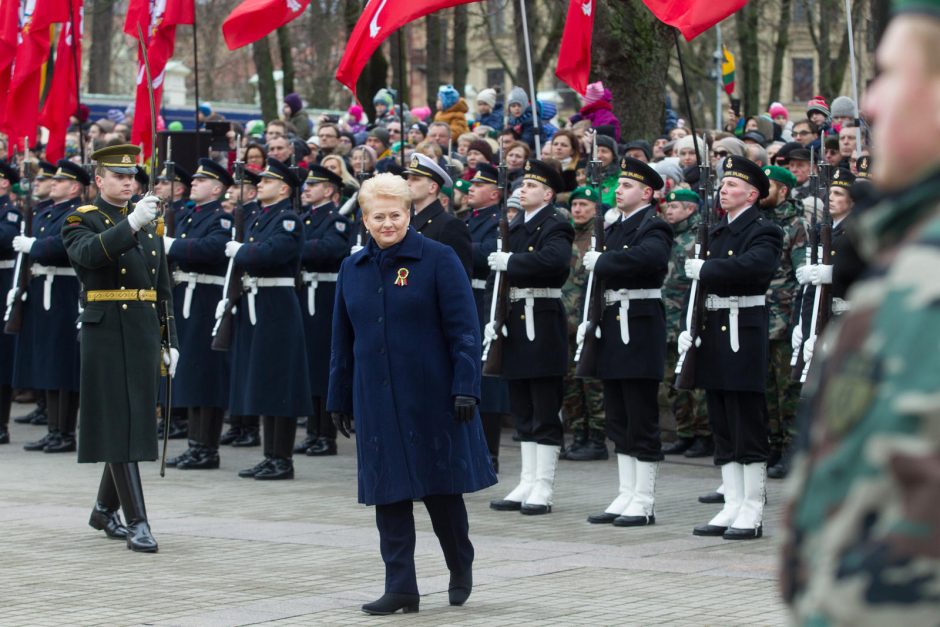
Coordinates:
column 406, row 363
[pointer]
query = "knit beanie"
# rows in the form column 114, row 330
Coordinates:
column 778, row 109
column 205, row 108
column 517, row 95
column 293, row 101
column 818, row 103
column 355, row 112
column 513, row 201
column 488, row 96
column 594, row 92
column 731, row 145
column 384, row 96
column 483, row 147
column 843, row 107
column 116, row 115
column 689, row 142
column 421, row 113
column 381, row 134
column 448, row 96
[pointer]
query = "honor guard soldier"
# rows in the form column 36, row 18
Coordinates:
column 631, row 357
column 535, row 352
column 244, row 431
column 42, row 185
column 425, row 180
column 326, row 244
column 483, row 222
column 198, row 256
column 269, row 366
column 47, row 350
column 10, row 220
column 177, row 187
column 121, row 263
column 743, row 254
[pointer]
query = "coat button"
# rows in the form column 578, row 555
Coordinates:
column 381, row 289
column 522, row 317
column 380, row 319
column 531, row 248
column 306, row 221
column 708, row 253
column 153, row 271
column 150, row 235
column 123, row 288
column 42, row 229
column 618, row 317
column 183, row 235
column 153, row 252
column 724, row 328
column 251, row 239
column 123, row 270
column 124, row 306
column 730, row 252
column 153, row 305
column 106, row 221
column 625, row 247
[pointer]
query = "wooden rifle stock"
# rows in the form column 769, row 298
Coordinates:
column 222, row 335
column 493, row 366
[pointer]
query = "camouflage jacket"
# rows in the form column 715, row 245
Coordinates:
column 572, row 293
column 783, row 295
column 677, row 284
column 863, row 536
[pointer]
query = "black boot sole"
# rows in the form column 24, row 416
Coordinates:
column 505, row 506
column 709, row 531
column 634, row 521
column 602, row 519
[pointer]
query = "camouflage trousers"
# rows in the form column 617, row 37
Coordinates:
column 783, row 396
column 583, row 401
column 688, row 406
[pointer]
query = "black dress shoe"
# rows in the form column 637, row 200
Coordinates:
column 712, row 498
column 601, row 519
column 590, row 451
column 249, row 437
column 703, row 447
column 249, row 473
column 535, row 510
column 322, row 447
column 391, row 602
column 709, row 530
column 40, row 419
column 140, row 539
column 193, row 449
column 277, row 470
column 307, row 442
column 39, row 444
column 231, row 435
column 65, row 443
column 107, row 520
column 502, row 505
column 28, row 418
column 458, row 591
column 634, row 521
column 678, row 447
column 733, row 533
column 4, row 435
column 205, row 458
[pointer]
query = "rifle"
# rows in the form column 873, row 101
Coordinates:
column 169, row 167
column 586, row 355
column 165, row 317
column 499, row 305
column 822, row 301
column 695, row 314
column 796, row 360
column 13, row 317
column 222, row 331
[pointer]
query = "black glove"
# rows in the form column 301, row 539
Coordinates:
column 464, row 407
column 342, row 421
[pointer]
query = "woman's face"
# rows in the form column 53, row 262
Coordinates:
column 561, row 147
column 255, row 158
column 462, row 146
column 333, row 166
column 361, row 162
column 515, row 158
column 386, row 220
column 474, row 157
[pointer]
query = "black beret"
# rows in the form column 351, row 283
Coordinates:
column 638, row 171
column 748, row 171
column 541, row 172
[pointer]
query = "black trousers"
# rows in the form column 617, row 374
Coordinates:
column 739, row 426
column 396, row 525
column 62, row 411
column 631, row 407
column 535, row 406
column 278, row 436
column 319, row 422
column 205, row 425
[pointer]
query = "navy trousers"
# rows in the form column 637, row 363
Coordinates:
column 396, row 525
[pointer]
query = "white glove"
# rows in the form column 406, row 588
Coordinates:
column 803, row 274
column 821, row 274
column 583, row 329
column 498, row 261
column 693, row 268
column 355, row 249
column 171, row 360
column 145, row 212
column 168, row 242
column 685, row 342
column 590, row 260
column 796, row 338
column 808, row 348
column 231, row 248
column 489, row 332
column 220, row 308
column 11, row 296
column 23, row 244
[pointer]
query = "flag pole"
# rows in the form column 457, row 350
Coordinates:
column 76, row 45
column 195, row 68
column 858, row 114
column 688, row 100
column 532, row 94
column 401, row 95
column 719, row 58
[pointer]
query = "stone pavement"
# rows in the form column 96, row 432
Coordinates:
column 239, row 552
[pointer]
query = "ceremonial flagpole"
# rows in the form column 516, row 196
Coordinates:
column 195, row 68
column 401, row 95
column 76, row 45
column 858, row 105
column 532, row 94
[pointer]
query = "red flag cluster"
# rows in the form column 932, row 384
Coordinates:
column 62, row 97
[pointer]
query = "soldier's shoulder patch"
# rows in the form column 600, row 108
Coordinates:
column 226, row 223
column 340, row 226
column 73, row 219
column 289, row 225
column 13, row 217
column 86, row 208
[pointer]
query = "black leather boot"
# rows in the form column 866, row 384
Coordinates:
column 249, row 473
column 594, row 449
column 461, row 584
column 702, row 447
column 680, row 446
column 233, row 433
column 6, row 397
column 277, row 469
column 204, row 458
column 322, row 447
column 192, row 451
column 64, row 443
column 131, row 492
column 307, row 443
column 391, row 602
column 249, row 437
column 104, row 516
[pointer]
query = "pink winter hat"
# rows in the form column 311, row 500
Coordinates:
column 355, row 112
column 594, row 92
column 421, row 113
column 778, row 109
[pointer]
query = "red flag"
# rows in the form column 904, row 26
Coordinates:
column 62, row 98
column 379, row 19
column 253, row 19
column 693, row 17
column 159, row 30
column 574, row 55
column 9, row 33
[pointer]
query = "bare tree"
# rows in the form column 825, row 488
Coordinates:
column 287, row 58
column 823, row 27
column 747, row 25
column 461, row 26
column 261, row 53
column 434, row 55
column 780, row 50
column 102, row 29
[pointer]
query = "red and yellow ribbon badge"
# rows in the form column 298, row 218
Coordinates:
column 402, row 279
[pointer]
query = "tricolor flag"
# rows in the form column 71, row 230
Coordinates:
column 727, row 70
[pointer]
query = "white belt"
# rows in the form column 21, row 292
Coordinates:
column 733, row 304
column 51, row 273
column 840, row 306
column 529, row 294
column 312, row 279
column 7, row 263
column 624, row 296
column 191, row 279
column 478, row 284
column 251, row 285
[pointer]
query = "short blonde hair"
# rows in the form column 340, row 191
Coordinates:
column 385, row 185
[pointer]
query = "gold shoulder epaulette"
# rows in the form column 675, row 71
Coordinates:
column 86, row 208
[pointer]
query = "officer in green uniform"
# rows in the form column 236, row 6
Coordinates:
column 119, row 258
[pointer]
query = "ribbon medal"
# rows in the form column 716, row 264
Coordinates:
column 402, row 279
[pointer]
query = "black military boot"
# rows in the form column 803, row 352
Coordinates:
column 460, row 586
column 203, row 458
column 391, row 602
column 781, row 469
column 233, row 433
column 284, row 433
column 308, row 442
column 250, row 473
column 580, row 439
column 680, row 446
column 131, row 492
column 251, row 435
column 62, row 443
column 39, row 412
column 104, row 516
column 702, row 447
column 322, row 447
column 593, row 450
column 193, row 450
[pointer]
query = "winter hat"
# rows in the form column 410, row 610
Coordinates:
column 255, row 127
column 818, row 103
column 778, row 109
column 421, row 113
column 766, row 124
column 637, row 144
column 517, row 95
column 116, row 115
column 731, row 145
column 384, row 96
column 355, row 112
column 843, row 107
column 513, row 200
column 488, row 96
column 175, row 125
column 205, row 109
column 594, row 92
column 293, row 101
column 669, row 169
column 380, row 133
column 448, row 96
column 483, row 147
column 689, row 142
column 82, row 113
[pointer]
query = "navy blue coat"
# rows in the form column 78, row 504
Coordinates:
column 438, row 224
column 47, row 348
column 9, row 228
column 269, row 364
column 326, row 244
column 202, row 375
column 401, row 353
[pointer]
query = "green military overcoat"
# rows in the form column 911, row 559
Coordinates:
column 120, row 340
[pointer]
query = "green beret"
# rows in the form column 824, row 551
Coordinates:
column 585, row 192
column 781, row 175
column 682, row 195
column 462, row 185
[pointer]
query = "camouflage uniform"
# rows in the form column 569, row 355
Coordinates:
column 863, row 542
column 583, row 403
column 783, row 395
column 688, row 406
